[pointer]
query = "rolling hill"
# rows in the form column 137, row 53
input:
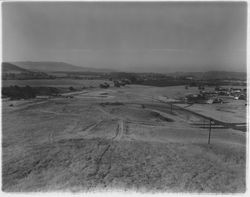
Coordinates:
column 12, row 71
column 11, row 68
column 56, row 67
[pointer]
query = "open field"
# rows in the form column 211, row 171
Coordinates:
column 233, row 111
column 121, row 138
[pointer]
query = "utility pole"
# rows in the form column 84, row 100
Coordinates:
column 210, row 121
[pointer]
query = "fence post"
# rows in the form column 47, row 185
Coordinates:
column 210, row 121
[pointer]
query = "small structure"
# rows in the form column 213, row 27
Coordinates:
column 43, row 97
column 218, row 100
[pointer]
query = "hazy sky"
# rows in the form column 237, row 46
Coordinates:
column 159, row 37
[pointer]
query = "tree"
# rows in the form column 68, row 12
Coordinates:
column 71, row 88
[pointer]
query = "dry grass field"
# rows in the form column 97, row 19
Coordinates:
column 119, row 138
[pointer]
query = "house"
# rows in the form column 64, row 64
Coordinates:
column 242, row 97
column 218, row 100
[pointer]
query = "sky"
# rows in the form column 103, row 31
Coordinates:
column 128, row 36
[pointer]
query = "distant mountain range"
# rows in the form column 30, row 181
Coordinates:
column 44, row 69
column 56, row 67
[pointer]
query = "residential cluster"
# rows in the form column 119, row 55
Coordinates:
column 217, row 96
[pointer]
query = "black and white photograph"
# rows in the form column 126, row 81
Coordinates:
column 128, row 96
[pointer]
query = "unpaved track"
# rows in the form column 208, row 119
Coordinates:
column 58, row 113
column 119, row 130
column 102, row 169
column 90, row 129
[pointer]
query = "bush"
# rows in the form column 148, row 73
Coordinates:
column 16, row 92
column 71, row 88
column 27, row 92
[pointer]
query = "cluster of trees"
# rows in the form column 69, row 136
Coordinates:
column 132, row 77
column 71, row 88
column 104, row 85
column 27, row 92
column 26, row 75
column 162, row 82
column 117, row 83
column 120, row 83
column 152, row 79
